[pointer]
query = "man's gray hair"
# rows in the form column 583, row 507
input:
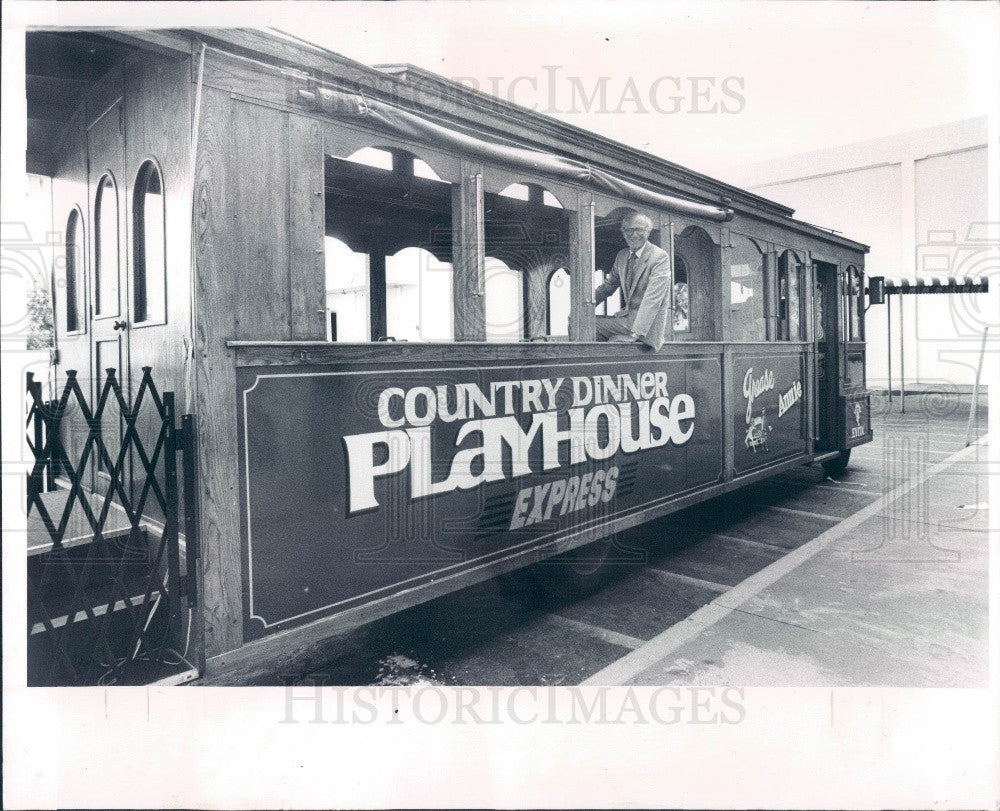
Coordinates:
column 636, row 217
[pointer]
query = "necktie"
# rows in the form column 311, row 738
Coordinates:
column 629, row 271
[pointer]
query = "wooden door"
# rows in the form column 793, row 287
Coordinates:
column 109, row 328
column 827, row 302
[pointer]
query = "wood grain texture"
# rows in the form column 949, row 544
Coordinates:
column 217, row 188
column 256, row 215
column 157, row 127
column 666, row 241
column 468, row 257
column 724, row 312
column 470, row 354
column 490, row 115
column 536, row 297
column 582, row 316
column 306, row 226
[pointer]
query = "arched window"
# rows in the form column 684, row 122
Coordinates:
column 558, row 301
column 418, row 296
column 789, row 297
column 746, row 290
column 149, row 258
column 682, row 301
column 504, row 289
column 374, row 157
column 74, row 273
column 106, row 248
column 348, row 302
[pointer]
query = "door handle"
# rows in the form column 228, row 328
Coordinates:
column 120, row 325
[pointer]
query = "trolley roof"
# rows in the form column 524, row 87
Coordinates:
column 62, row 65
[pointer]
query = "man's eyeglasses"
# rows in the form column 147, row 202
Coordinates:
column 633, row 230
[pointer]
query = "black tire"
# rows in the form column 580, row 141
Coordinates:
column 575, row 574
column 562, row 578
column 838, row 465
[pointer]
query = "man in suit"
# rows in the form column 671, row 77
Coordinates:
column 642, row 271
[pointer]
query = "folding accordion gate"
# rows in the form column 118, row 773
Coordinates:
column 112, row 536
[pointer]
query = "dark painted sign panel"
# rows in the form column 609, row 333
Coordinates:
column 768, row 416
column 359, row 484
column 857, row 420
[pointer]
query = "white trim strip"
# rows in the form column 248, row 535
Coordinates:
column 661, row 646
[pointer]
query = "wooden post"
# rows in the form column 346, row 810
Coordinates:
column 809, row 357
column 468, row 255
column 728, row 415
column 582, row 319
column 725, row 283
column 770, row 294
column 666, row 228
column 377, row 292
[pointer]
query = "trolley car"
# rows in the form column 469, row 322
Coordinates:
column 372, row 290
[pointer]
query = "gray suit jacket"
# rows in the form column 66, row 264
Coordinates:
column 647, row 292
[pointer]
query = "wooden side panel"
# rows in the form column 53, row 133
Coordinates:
column 468, row 257
column 216, row 193
column 306, row 224
column 582, row 318
column 257, row 216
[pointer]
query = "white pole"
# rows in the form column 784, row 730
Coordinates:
column 975, row 390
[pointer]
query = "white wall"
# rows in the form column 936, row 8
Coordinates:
column 919, row 199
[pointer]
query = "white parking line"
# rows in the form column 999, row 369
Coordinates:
column 669, row 576
column 806, row 513
column 662, row 645
column 762, row 545
column 604, row 634
column 841, row 487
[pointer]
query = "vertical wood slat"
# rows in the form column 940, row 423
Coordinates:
column 306, row 230
column 582, row 317
column 809, row 373
column 378, row 292
column 666, row 241
column 468, row 257
column 536, row 300
column 725, row 285
column 258, row 218
column 216, row 272
column 728, row 415
column 770, row 294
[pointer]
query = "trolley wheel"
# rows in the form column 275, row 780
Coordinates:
column 837, row 465
column 569, row 576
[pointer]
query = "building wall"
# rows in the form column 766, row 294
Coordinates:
column 919, row 199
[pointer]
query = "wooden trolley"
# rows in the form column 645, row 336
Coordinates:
column 373, row 288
